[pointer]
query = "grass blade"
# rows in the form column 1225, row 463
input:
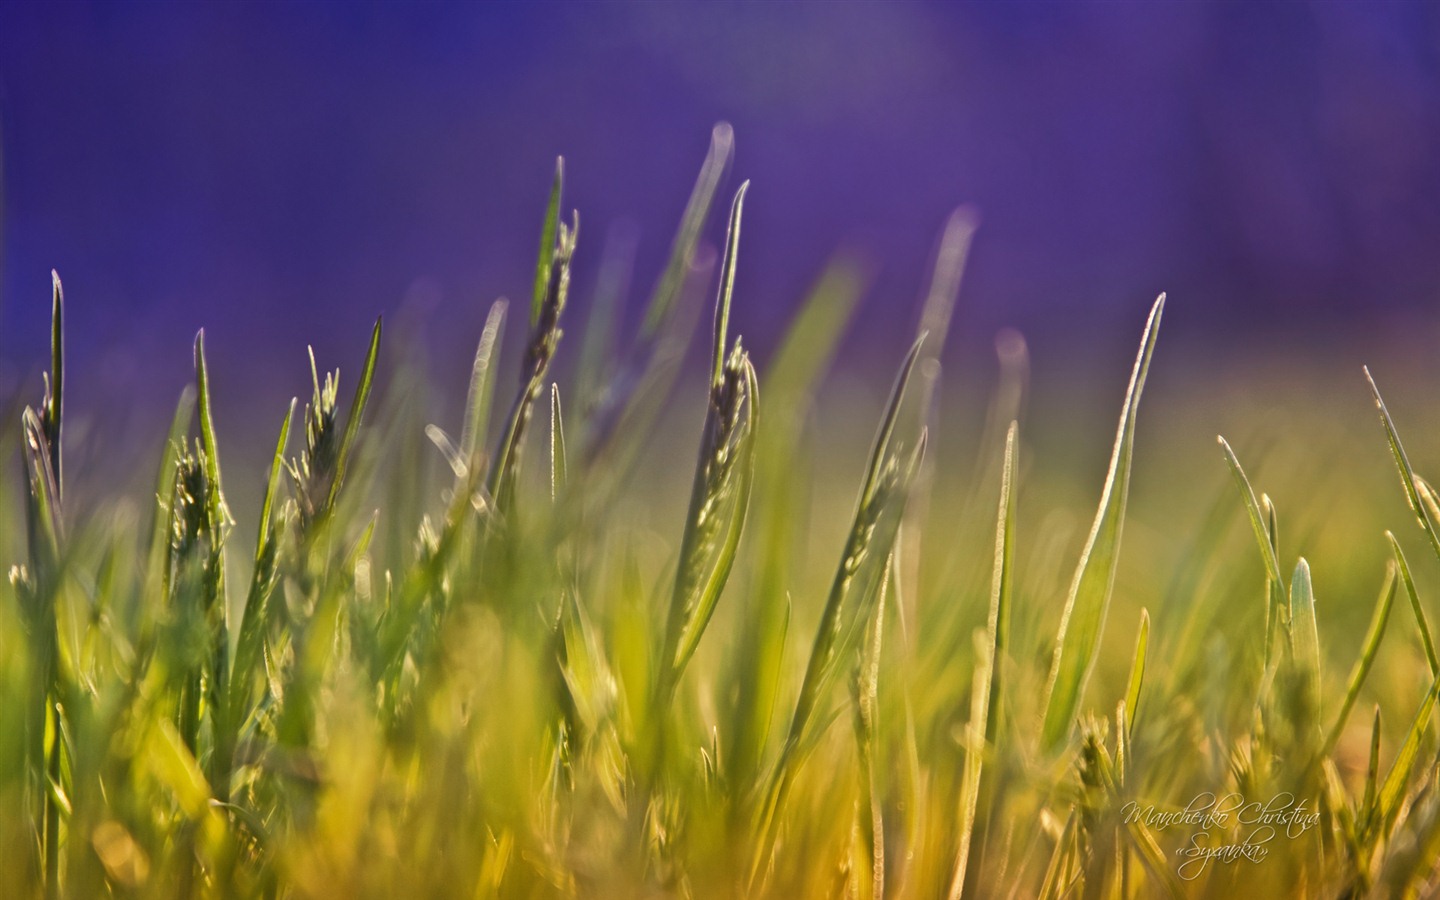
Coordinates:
column 219, row 514
column 54, row 412
column 1252, row 508
column 1137, row 673
column 1392, row 792
column 545, row 336
column 1366, row 814
column 482, row 385
column 976, row 748
column 546, row 256
column 357, row 412
column 866, row 698
column 852, row 598
column 557, row 445
column 249, row 646
column 1084, row 617
column 720, row 493
column 1368, row 651
column 804, row 354
column 1402, row 463
column 1305, row 638
column 727, row 286
column 682, row 251
column 1409, row 583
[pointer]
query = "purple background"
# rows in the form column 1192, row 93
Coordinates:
column 281, row 173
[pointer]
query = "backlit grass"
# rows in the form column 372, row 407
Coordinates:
column 547, row 679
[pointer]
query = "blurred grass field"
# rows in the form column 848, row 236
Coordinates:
column 510, row 637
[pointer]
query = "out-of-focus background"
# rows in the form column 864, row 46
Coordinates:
column 280, row 173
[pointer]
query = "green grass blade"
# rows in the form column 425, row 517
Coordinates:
column 945, row 280
column 1420, row 622
column 43, row 509
column 976, row 748
column 804, row 354
column 357, row 412
column 880, row 450
column 1305, row 639
column 557, row 444
column 1368, row 651
column 249, row 645
column 599, row 344
column 1002, row 581
column 852, row 598
column 272, row 480
column 479, row 397
column 54, row 412
column 692, row 222
column 219, row 514
column 1083, row 620
column 547, row 243
column 1402, row 463
column 1392, row 792
column 1252, row 508
column 1366, row 814
column 1137, row 673
column 871, row 823
column 539, row 354
column 727, row 286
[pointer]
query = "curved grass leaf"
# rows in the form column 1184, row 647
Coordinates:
column 1084, row 617
column 1368, row 651
column 1420, row 622
column 1402, row 463
column 1252, row 508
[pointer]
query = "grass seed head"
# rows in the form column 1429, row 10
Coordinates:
column 314, row 470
